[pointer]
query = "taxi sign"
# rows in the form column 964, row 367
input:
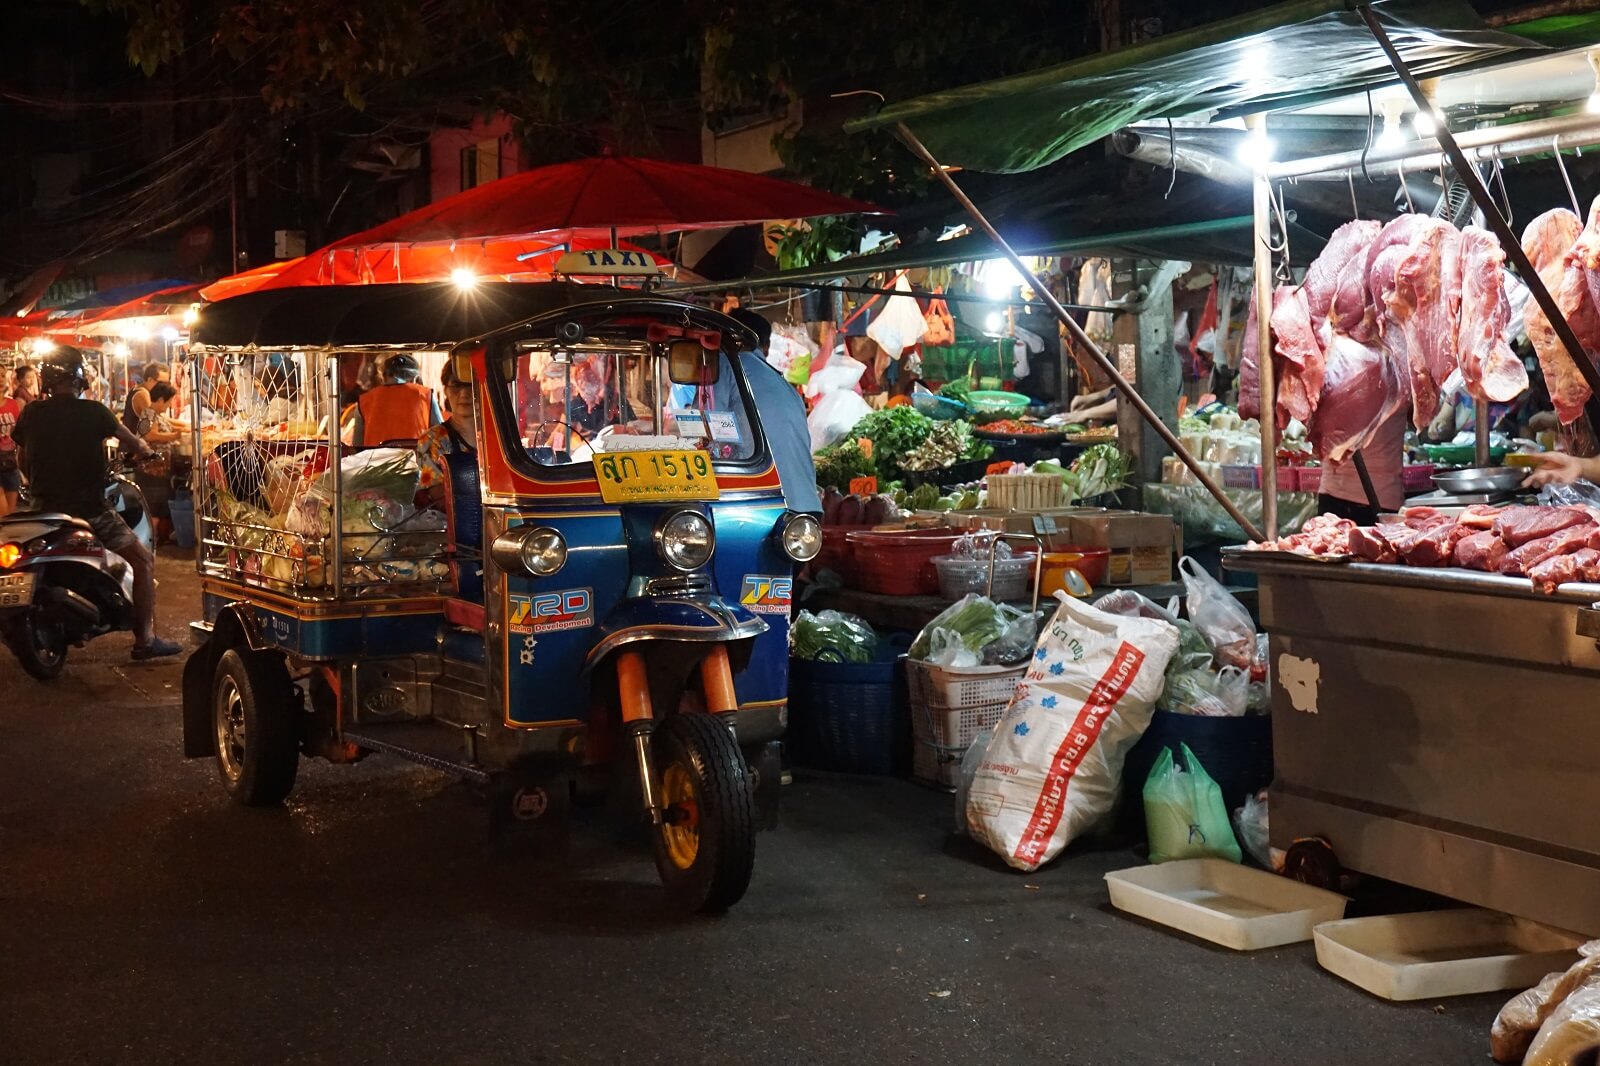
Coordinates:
column 609, row 262
column 655, row 477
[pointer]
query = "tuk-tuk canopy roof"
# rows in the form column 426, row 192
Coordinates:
column 1266, row 60
column 360, row 316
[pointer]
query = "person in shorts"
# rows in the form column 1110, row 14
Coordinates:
column 61, row 448
column 10, row 472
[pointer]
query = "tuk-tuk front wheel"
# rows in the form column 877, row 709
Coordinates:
column 706, row 843
column 258, row 740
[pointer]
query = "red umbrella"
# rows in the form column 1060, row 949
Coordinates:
column 608, row 195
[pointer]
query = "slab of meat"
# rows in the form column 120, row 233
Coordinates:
column 1348, row 244
column 1482, row 550
column 1433, row 545
column 1581, row 565
column 1360, row 390
column 1519, row 525
column 1426, row 302
column 1249, row 359
column 1478, row 516
column 1353, row 313
column 1547, row 241
column 1521, row 560
column 1369, row 543
column 1296, row 343
column 1488, row 366
column 1325, row 535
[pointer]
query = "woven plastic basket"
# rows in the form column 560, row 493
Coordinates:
column 949, row 708
column 847, row 717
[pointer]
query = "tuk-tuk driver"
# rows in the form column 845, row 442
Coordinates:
column 457, row 434
column 397, row 409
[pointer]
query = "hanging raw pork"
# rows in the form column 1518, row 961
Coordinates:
column 1426, row 302
column 1348, row 244
column 1301, row 367
column 1489, row 367
column 1547, row 242
column 1385, row 255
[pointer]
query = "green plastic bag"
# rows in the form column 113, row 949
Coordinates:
column 1184, row 813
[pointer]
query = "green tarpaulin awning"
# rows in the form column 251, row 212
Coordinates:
column 1254, row 62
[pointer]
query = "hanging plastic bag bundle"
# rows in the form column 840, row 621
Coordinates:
column 1221, row 619
column 1184, row 814
column 901, row 325
column 1054, row 766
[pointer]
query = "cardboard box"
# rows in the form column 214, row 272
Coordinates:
column 1143, row 546
column 1040, row 523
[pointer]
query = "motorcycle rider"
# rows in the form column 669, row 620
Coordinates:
column 61, row 449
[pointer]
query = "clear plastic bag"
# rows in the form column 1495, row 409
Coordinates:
column 976, row 621
column 1016, row 641
column 1571, row 1028
column 1250, row 826
column 1184, row 814
column 1207, row 692
column 1220, row 618
column 946, row 648
column 1131, row 604
column 832, row 636
column 971, row 759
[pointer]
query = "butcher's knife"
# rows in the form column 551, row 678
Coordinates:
column 1366, row 482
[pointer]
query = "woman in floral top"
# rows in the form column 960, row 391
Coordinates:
column 457, row 433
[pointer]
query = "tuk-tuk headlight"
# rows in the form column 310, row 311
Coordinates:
column 685, row 539
column 539, row 550
column 802, row 537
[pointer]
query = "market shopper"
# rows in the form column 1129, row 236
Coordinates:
column 138, row 401
column 61, row 448
column 1340, row 491
column 156, row 430
column 397, row 409
column 456, row 435
column 10, row 473
column 25, row 384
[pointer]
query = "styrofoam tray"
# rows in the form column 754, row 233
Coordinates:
column 1236, row 906
column 1434, row 954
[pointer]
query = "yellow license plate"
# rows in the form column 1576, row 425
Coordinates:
column 653, row 477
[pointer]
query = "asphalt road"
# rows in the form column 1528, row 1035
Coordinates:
column 143, row 918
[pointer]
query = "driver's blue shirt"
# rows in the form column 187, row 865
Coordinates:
column 783, row 418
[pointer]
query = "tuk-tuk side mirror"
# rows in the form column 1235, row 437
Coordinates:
column 689, row 363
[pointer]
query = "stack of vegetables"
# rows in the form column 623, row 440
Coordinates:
column 891, row 443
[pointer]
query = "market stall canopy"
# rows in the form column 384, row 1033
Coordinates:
column 246, row 280
column 524, row 259
column 627, row 196
column 123, row 294
column 1261, row 61
column 141, row 316
column 353, row 316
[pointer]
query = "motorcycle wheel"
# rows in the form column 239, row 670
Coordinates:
column 705, row 847
column 41, row 648
column 258, row 740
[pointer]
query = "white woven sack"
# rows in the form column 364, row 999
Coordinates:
column 1055, row 764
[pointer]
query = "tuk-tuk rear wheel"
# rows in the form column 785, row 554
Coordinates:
column 705, row 845
column 258, row 740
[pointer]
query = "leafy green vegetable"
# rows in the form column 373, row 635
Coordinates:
column 838, row 463
column 923, row 497
column 976, row 620
column 832, row 635
column 894, row 432
column 956, row 390
column 1101, row 468
column 946, row 444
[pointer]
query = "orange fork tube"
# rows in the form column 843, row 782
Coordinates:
column 716, row 680
column 633, row 685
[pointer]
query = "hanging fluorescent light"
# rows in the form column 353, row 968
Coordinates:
column 1257, row 149
column 463, row 278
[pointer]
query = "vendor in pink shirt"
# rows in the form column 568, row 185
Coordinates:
column 1340, row 491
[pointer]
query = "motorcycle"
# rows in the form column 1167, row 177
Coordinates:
column 59, row 586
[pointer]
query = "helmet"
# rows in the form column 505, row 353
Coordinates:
column 64, row 369
column 401, row 369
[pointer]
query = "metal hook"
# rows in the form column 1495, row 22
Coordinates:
column 1555, row 145
column 1411, row 206
column 1172, row 158
column 1500, row 180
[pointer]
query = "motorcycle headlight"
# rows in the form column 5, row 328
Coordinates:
column 802, row 537
column 539, row 550
column 685, row 540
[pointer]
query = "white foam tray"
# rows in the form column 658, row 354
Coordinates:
column 1236, row 906
column 1434, row 954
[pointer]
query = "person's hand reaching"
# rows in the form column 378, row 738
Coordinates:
column 1555, row 468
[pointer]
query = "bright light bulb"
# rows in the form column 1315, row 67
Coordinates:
column 1000, row 277
column 43, row 346
column 994, row 322
column 1593, row 106
column 138, row 333
column 1257, row 149
column 1425, row 124
column 192, row 315
column 169, row 333
column 463, row 278
column 121, row 350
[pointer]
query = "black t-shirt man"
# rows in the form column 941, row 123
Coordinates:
column 63, row 446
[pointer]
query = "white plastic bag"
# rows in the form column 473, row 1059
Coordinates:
column 1208, row 693
column 840, row 374
column 1221, row 619
column 971, row 759
column 1250, row 826
column 1055, row 764
column 902, row 323
column 835, row 415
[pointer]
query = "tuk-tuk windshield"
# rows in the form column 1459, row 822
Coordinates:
column 574, row 403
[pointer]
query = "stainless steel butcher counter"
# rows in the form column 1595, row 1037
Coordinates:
column 1439, row 728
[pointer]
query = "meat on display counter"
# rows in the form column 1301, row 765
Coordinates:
column 1439, row 728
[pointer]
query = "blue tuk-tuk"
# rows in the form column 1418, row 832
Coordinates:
column 594, row 599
